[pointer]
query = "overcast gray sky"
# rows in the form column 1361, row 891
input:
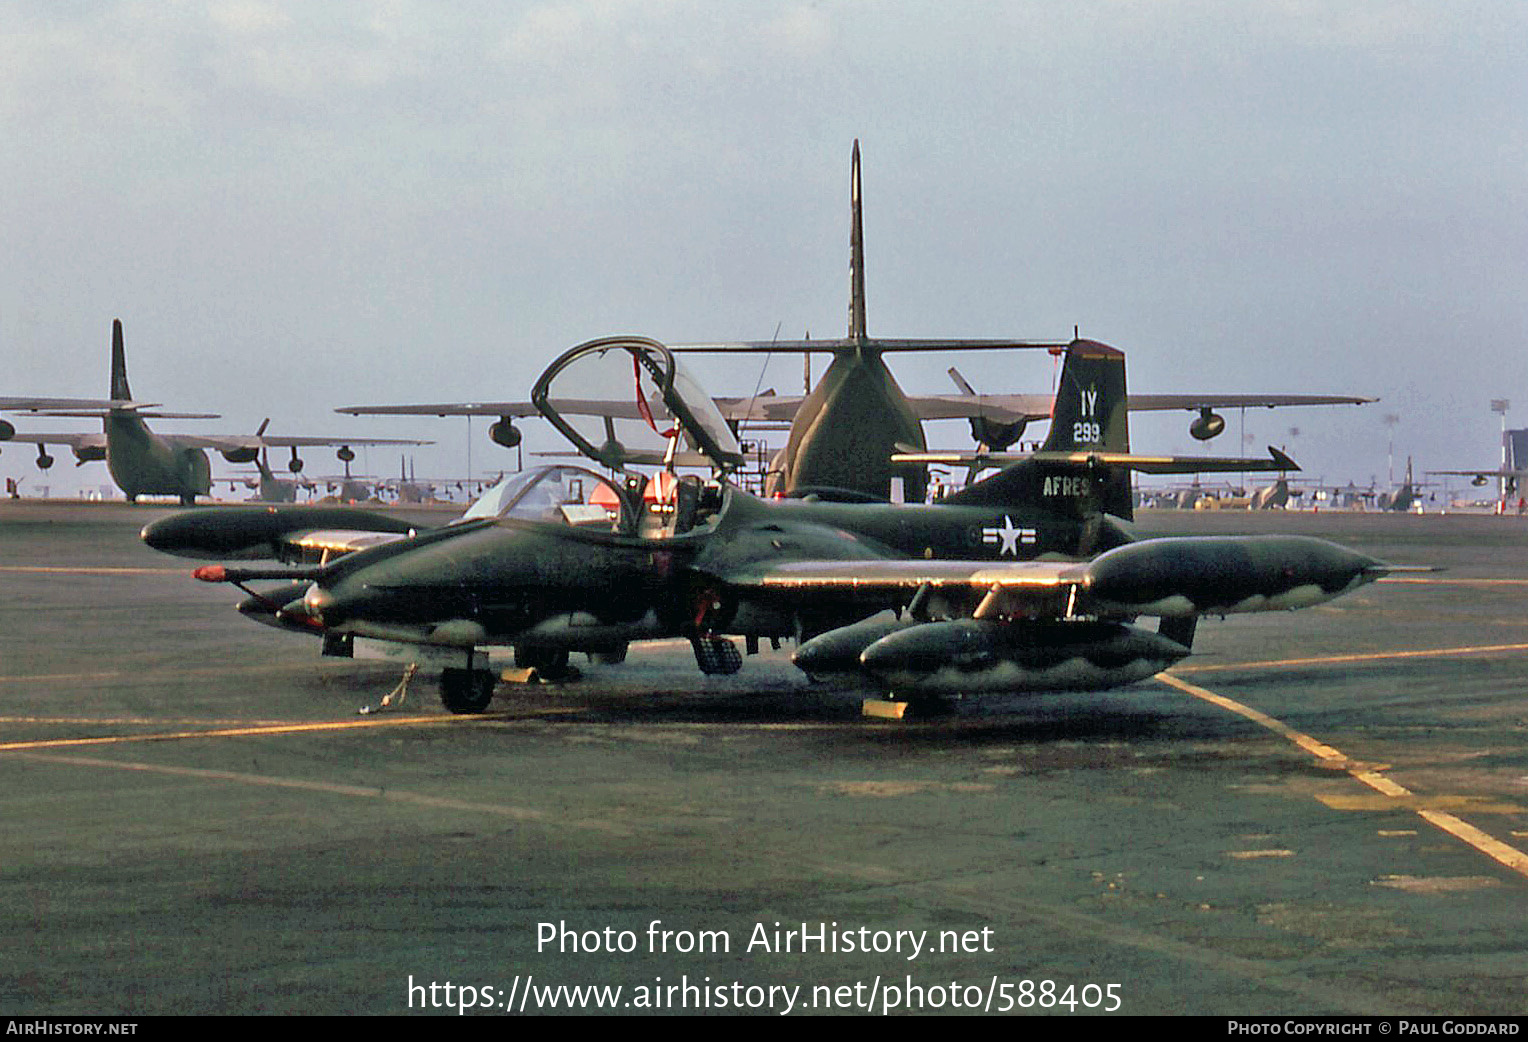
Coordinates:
column 299, row 205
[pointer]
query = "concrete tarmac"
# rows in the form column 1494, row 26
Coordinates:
column 1320, row 812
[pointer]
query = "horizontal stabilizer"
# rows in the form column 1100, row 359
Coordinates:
column 1146, row 464
column 444, row 409
column 641, row 458
column 96, row 405
column 136, row 408
column 883, row 344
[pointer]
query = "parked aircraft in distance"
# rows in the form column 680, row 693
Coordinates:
column 1404, row 498
column 844, row 432
column 1511, row 475
column 1025, row 581
column 144, row 463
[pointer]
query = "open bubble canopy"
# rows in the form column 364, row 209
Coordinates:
column 623, row 400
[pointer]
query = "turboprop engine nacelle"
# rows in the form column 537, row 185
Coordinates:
column 1207, row 425
column 994, row 434
column 505, row 433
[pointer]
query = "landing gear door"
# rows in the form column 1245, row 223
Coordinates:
column 622, row 400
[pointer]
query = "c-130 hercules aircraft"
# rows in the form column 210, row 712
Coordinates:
column 1025, row 581
column 143, row 463
column 845, row 431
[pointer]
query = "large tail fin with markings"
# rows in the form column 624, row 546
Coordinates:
column 1090, row 415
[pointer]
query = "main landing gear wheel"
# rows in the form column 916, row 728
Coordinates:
column 716, row 656
column 466, row 690
column 549, row 664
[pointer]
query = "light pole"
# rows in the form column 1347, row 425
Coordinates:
column 1391, row 419
column 1500, row 407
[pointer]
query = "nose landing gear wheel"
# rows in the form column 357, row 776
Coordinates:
column 466, row 690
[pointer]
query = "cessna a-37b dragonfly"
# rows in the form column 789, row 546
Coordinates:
column 1025, row 581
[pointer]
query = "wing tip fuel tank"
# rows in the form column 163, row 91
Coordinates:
column 1220, row 575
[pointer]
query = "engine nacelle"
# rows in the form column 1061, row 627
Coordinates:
column 345, row 454
column 241, row 455
column 505, row 433
column 7, row 430
column 995, row 435
column 44, row 461
column 1478, row 480
column 89, row 454
column 1207, row 425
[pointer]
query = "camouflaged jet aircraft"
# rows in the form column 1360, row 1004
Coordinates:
column 1026, row 581
column 144, row 463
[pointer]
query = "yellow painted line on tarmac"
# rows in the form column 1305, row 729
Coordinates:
column 280, row 728
column 1378, row 656
column 88, row 570
column 107, row 721
column 304, row 666
column 50, row 677
column 1378, row 801
column 1455, row 582
column 1405, row 799
column 1321, row 751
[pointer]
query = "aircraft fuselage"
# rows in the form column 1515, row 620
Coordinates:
column 846, row 429
column 143, row 463
column 514, row 580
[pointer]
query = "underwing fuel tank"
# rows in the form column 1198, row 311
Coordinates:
column 839, row 650
column 1221, row 575
column 252, row 533
column 977, row 656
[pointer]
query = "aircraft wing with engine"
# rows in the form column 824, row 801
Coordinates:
column 51, row 406
column 87, row 448
column 234, row 445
